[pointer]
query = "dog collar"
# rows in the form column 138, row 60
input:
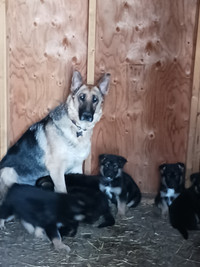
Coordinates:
column 80, row 132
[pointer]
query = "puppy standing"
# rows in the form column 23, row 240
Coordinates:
column 59, row 143
column 171, row 185
column 42, row 210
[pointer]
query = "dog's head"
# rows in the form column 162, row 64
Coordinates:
column 172, row 175
column 195, row 180
column 111, row 165
column 85, row 102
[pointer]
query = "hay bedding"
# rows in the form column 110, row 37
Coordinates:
column 141, row 238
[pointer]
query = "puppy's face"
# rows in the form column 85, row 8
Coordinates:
column 172, row 175
column 111, row 165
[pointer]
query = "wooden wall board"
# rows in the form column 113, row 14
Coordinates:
column 148, row 48
column 3, row 80
column 46, row 40
column 193, row 151
column 91, row 42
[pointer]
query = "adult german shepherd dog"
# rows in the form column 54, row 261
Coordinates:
column 60, row 142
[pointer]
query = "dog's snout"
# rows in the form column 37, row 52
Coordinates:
column 86, row 116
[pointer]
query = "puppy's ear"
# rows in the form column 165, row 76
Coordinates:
column 77, row 81
column 162, row 168
column 103, row 83
column 122, row 161
column 102, row 157
column 181, row 166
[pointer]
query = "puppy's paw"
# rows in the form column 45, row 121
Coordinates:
column 59, row 245
column 39, row 233
column 2, row 224
column 121, row 209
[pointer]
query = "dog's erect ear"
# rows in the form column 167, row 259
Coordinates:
column 77, row 81
column 103, row 83
column 162, row 168
column 181, row 166
column 102, row 157
column 122, row 161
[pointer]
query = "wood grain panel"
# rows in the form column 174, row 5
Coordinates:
column 46, row 39
column 193, row 151
column 148, row 48
column 3, row 81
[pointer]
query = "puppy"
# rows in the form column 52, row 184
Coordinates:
column 44, row 210
column 184, row 212
column 171, row 185
column 118, row 185
column 96, row 205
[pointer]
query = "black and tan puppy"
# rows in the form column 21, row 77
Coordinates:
column 51, row 211
column 184, row 212
column 118, row 185
column 86, row 187
column 172, row 183
column 42, row 209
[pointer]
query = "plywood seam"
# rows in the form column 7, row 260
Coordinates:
column 91, row 60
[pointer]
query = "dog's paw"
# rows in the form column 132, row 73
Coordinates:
column 2, row 224
column 39, row 233
column 59, row 245
column 121, row 209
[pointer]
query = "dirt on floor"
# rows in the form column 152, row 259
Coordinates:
column 141, row 238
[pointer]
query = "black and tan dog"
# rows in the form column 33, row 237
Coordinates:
column 117, row 185
column 172, row 183
column 184, row 212
column 55, row 213
column 59, row 143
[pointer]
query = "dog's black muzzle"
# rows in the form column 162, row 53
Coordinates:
column 86, row 116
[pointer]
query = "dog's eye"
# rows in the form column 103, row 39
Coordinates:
column 115, row 167
column 94, row 99
column 82, row 97
column 107, row 164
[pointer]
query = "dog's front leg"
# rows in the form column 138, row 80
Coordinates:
column 121, row 206
column 59, row 182
column 57, row 175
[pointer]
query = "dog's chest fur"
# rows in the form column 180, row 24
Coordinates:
column 111, row 187
column 62, row 145
column 169, row 195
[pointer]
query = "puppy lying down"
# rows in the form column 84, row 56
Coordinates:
column 54, row 212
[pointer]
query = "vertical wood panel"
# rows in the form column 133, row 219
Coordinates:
column 3, row 79
column 47, row 39
column 90, row 61
column 148, row 48
column 91, row 42
column 193, row 151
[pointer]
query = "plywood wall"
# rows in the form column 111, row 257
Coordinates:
column 46, row 40
column 148, row 48
column 193, row 151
